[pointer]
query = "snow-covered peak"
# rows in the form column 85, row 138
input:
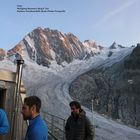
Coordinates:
column 90, row 42
column 45, row 46
column 92, row 46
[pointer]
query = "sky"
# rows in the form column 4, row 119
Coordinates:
column 104, row 21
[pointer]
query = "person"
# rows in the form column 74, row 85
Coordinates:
column 78, row 126
column 37, row 129
column 4, row 123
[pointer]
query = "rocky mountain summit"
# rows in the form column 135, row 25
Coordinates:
column 115, row 46
column 114, row 89
column 45, row 45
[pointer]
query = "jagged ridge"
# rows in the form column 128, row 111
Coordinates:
column 46, row 45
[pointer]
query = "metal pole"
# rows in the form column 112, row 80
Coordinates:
column 52, row 125
column 16, row 98
column 93, row 120
column 92, row 111
column 64, row 129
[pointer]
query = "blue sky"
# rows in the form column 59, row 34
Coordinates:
column 104, row 21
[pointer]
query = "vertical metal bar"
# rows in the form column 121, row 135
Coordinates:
column 63, row 129
column 93, row 119
column 92, row 111
column 52, row 127
column 22, row 130
column 16, row 98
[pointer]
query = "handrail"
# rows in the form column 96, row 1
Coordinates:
column 56, row 125
column 52, row 136
column 53, row 115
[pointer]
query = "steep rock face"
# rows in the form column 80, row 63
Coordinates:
column 46, row 45
column 133, row 62
column 2, row 54
column 115, row 46
column 115, row 90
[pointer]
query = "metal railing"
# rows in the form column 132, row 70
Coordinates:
column 56, row 126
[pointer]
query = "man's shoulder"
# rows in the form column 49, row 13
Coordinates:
column 85, row 118
column 70, row 117
column 40, row 125
column 2, row 112
column 41, row 121
column 39, row 129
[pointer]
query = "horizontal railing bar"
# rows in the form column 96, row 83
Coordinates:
column 54, row 116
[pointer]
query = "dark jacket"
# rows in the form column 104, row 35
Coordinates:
column 78, row 128
column 37, row 129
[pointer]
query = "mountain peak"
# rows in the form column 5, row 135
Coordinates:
column 92, row 46
column 90, row 41
column 115, row 46
column 46, row 45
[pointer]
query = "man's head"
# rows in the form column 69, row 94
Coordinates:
column 31, row 107
column 75, row 107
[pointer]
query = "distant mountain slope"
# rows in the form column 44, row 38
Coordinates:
column 115, row 89
column 133, row 62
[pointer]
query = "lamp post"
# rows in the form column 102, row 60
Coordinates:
column 20, row 63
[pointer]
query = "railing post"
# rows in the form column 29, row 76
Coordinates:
column 93, row 119
column 56, row 126
column 64, row 129
column 52, row 126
